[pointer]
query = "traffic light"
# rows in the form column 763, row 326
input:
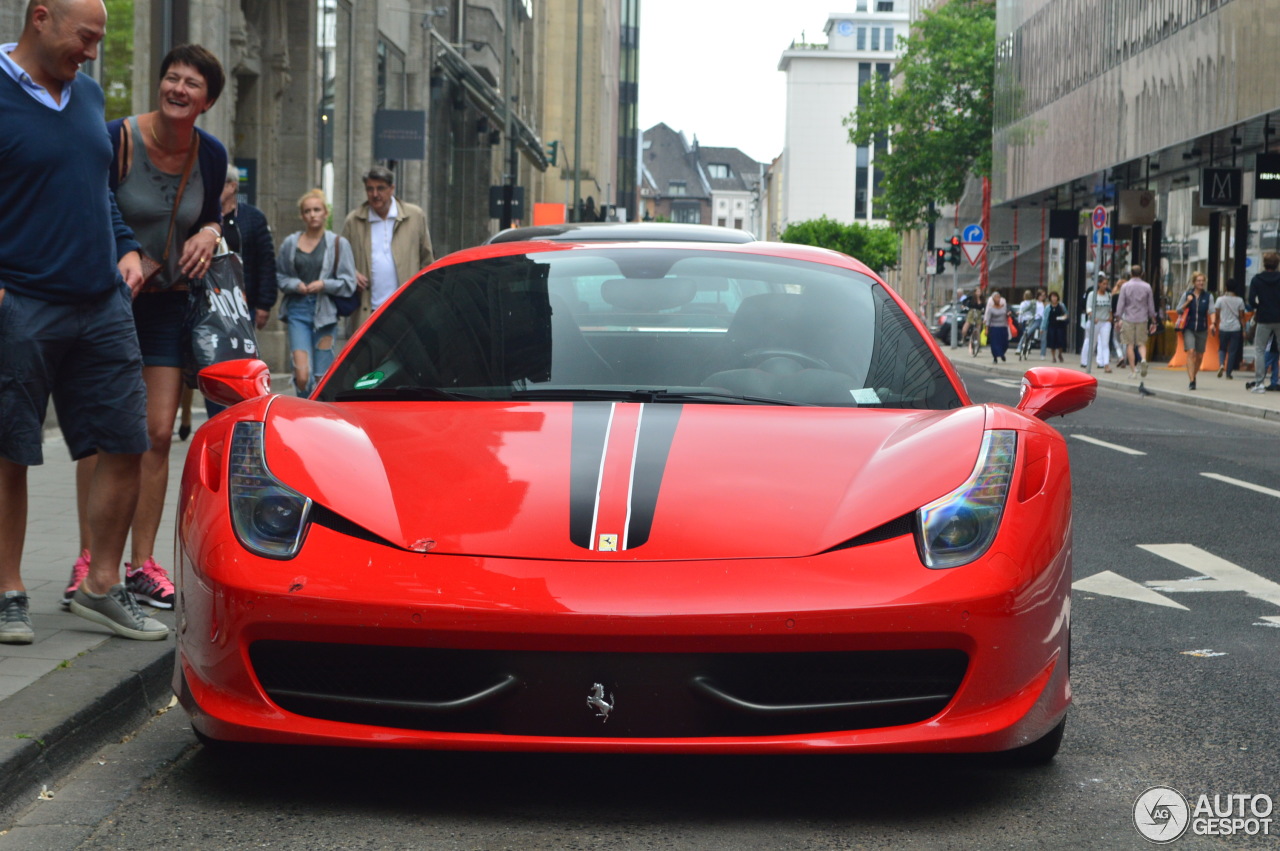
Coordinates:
column 553, row 152
column 940, row 259
column 955, row 251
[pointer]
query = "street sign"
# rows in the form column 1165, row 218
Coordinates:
column 974, row 233
column 1099, row 217
column 1004, row 248
column 973, row 250
column 400, row 134
column 1221, row 187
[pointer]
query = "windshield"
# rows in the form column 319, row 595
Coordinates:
column 644, row 323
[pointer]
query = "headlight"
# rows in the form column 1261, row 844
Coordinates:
column 269, row 518
column 958, row 528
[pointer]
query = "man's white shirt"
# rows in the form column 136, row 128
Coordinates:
column 382, row 265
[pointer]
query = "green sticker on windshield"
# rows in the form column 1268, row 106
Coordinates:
column 373, row 379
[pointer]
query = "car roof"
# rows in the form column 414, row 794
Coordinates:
column 623, row 232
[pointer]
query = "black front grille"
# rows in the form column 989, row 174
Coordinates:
column 649, row 695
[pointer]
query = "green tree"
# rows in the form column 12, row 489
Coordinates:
column 938, row 116
column 117, row 58
column 877, row 247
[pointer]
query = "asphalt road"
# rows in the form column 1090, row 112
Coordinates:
column 1174, row 685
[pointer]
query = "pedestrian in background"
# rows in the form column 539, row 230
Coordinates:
column 1195, row 334
column 1118, row 354
column 167, row 176
column 1098, row 313
column 314, row 265
column 1229, row 310
column 1264, row 300
column 1056, row 322
column 247, row 233
column 1026, row 312
column 1087, row 338
column 1136, row 313
column 389, row 239
column 1042, row 316
column 996, row 318
column 68, row 266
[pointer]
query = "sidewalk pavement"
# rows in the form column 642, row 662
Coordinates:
column 78, row 687
column 1167, row 384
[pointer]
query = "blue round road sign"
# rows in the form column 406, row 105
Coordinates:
column 974, row 233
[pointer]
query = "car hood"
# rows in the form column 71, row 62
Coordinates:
column 627, row 481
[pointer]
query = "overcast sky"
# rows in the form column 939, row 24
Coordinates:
column 710, row 67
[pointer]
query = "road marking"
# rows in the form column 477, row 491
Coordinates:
column 1241, row 484
column 1005, row 382
column 1223, row 575
column 1126, row 450
column 1111, row 584
column 1203, row 654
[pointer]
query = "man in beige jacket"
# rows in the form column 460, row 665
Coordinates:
column 389, row 242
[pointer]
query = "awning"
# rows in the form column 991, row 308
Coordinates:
column 489, row 101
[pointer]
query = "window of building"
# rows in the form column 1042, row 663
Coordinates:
column 860, row 183
column 721, row 221
column 862, row 38
column 677, row 187
column 875, row 38
column 884, row 5
column 737, row 223
column 718, row 171
column 862, row 5
column 686, row 214
column 720, row 204
column 888, row 38
column 391, row 77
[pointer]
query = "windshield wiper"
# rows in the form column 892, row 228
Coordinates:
column 580, row 394
column 407, row 393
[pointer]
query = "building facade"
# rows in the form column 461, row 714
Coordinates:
column 688, row 183
column 823, row 174
column 1157, row 114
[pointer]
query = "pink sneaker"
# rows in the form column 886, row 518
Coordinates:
column 149, row 584
column 78, row 572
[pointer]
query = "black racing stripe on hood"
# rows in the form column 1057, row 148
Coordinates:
column 590, row 431
column 657, row 431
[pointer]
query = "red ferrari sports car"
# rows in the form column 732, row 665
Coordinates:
column 638, row 497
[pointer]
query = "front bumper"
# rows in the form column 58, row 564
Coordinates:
column 772, row 632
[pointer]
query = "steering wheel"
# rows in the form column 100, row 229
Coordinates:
column 758, row 356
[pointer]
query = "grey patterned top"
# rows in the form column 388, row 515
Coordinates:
column 145, row 198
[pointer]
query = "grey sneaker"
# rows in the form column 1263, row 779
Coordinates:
column 15, row 619
column 1142, row 368
column 118, row 612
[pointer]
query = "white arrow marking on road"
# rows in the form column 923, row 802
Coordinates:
column 1005, row 382
column 1223, row 575
column 1114, row 585
column 1241, row 484
column 1126, row 450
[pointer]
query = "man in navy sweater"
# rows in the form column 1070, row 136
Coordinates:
column 68, row 264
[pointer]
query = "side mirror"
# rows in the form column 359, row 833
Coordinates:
column 234, row 381
column 1053, row 392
